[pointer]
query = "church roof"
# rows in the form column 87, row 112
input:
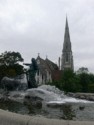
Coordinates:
column 46, row 65
column 43, row 67
column 51, row 65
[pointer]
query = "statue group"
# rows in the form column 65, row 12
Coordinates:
column 31, row 72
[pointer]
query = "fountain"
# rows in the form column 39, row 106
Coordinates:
column 51, row 94
column 53, row 103
column 48, row 101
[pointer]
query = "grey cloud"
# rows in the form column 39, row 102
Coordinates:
column 37, row 26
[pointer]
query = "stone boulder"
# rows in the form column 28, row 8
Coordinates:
column 17, row 83
column 86, row 96
column 38, row 97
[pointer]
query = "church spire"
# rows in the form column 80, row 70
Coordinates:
column 67, row 34
column 67, row 58
column 67, row 43
column 67, row 27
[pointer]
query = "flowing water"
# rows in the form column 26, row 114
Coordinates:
column 48, row 101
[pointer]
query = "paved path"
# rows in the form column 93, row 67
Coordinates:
column 8, row 118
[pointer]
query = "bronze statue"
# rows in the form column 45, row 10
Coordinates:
column 31, row 72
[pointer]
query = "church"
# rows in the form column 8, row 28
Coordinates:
column 67, row 57
column 48, row 70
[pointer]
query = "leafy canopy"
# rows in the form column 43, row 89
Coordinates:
column 10, row 58
column 9, row 64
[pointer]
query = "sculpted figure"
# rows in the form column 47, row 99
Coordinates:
column 31, row 74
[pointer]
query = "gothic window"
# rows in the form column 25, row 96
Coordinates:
column 67, row 57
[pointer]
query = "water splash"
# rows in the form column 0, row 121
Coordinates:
column 51, row 94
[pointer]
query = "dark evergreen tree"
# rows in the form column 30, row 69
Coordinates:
column 9, row 64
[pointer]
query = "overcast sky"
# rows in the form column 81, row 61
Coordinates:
column 37, row 26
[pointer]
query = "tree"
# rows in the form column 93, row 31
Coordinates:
column 70, row 81
column 76, row 82
column 84, row 81
column 82, row 70
column 10, row 58
column 9, row 64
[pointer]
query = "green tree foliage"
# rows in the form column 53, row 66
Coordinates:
column 9, row 64
column 84, row 81
column 76, row 82
column 10, row 58
column 82, row 70
column 91, row 88
column 70, row 82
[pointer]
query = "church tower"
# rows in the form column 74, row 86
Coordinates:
column 67, row 57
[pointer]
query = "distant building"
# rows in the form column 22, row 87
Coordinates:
column 67, row 57
column 49, row 71
column 46, row 70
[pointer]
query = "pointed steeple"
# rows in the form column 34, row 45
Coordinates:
column 67, row 58
column 67, row 42
column 67, row 27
